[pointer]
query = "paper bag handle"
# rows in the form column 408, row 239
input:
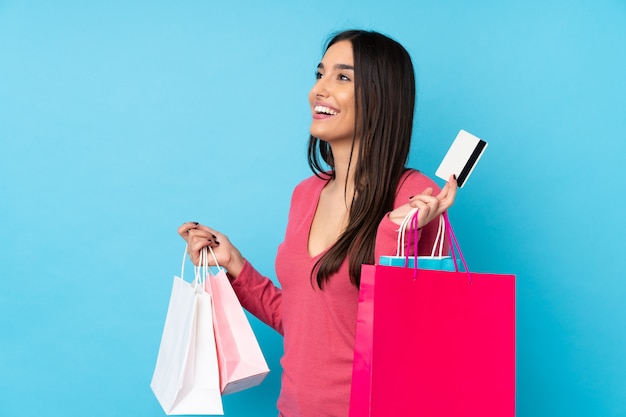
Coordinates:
column 437, row 244
column 454, row 243
column 197, row 277
column 200, row 271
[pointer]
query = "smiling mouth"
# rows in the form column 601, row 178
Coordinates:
column 325, row 110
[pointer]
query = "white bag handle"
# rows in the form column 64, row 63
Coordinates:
column 182, row 268
column 402, row 230
column 439, row 239
column 441, row 230
column 197, row 277
column 202, row 270
column 214, row 257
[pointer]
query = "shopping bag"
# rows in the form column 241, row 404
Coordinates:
column 361, row 378
column 241, row 361
column 186, row 375
column 437, row 260
column 436, row 343
column 361, row 389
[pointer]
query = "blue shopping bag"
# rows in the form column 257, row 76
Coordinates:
column 437, row 260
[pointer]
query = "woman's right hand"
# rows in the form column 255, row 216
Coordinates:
column 430, row 207
column 199, row 236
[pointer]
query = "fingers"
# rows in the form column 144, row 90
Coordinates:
column 201, row 237
column 424, row 201
column 430, row 206
column 183, row 230
column 194, row 230
column 198, row 237
column 427, row 207
column 425, row 196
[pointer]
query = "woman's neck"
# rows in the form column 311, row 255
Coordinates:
column 344, row 158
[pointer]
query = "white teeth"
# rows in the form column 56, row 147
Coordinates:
column 324, row 109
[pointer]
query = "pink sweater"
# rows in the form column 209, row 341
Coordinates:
column 318, row 325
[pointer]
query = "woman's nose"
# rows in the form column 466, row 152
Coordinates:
column 320, row 89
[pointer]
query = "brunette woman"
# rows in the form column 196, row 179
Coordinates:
column 345, row 215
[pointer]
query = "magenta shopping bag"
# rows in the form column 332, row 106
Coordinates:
column 434, row 343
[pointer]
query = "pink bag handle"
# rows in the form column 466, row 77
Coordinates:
column 204, row 260
column 454, row 244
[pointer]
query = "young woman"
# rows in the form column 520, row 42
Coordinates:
column 345, row 215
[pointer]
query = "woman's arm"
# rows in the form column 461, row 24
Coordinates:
column 256, row 293
column 259, row 296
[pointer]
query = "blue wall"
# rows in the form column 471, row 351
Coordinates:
column 120, row 120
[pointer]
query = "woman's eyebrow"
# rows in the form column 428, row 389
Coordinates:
column 344, row 67
column 337, row 66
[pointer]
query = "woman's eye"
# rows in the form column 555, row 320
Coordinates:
column 318, row 75
column 343, row 77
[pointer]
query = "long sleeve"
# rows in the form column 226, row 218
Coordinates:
column 259, row 296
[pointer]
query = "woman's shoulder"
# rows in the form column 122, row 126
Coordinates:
column 307, row 189
column 311, row 183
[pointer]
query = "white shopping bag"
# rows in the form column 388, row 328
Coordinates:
column 186, row 378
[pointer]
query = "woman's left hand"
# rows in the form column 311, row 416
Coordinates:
column 429, row 207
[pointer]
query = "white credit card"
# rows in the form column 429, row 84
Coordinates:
column 462, row 157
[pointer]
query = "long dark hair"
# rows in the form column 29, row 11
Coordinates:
column 384, row 83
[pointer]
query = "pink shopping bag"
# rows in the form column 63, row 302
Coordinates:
column 434, row 343
column 241, row 361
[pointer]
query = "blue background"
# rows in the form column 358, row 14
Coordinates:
column 120, row 120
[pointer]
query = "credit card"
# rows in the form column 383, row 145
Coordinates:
column 462, row 157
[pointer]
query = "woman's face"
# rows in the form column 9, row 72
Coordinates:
column 332, row 97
